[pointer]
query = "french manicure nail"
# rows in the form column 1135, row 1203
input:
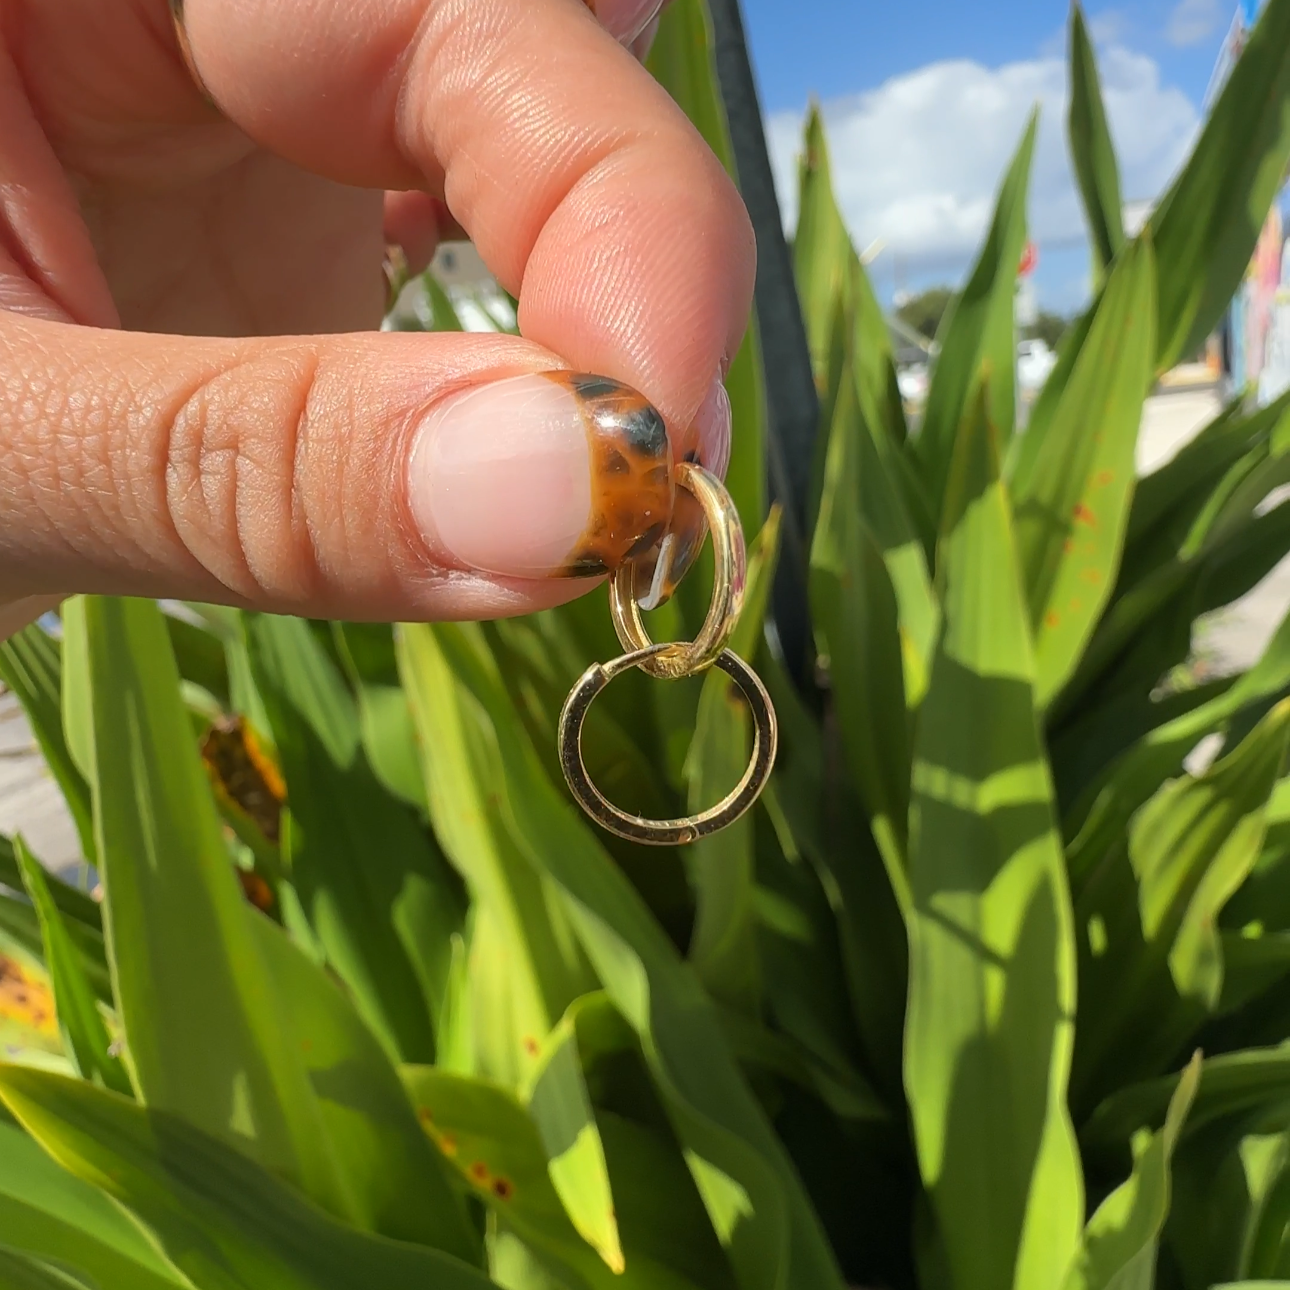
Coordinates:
column 551, row 474
column 625, row 20
column 707, row 441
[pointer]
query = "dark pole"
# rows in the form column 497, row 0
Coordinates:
column 793, row 404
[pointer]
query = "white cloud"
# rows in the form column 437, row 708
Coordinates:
column 917, row 161
column 1194, row 21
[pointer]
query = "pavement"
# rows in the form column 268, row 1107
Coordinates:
column 1230, row 640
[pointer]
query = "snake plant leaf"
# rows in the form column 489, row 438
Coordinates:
column 1150, row 952
column 494, row 1144
column 560, row 1104
column 85, row 1035
column 857, row 631
column 380, row 899
column 1120, row 1243
column 722, row 867
column 978, row 333
column 203, row 1039
column 525, row 967
column 1074, row 477
column 682, row 61
column 222, row 1220
column 1206, row 226
column 1096, row 169
column 992, row 975
column 31, row 666
column 366, row 652
column 50, row 1213
column 749, row 1189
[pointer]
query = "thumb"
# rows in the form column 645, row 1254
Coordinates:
column 383, row 476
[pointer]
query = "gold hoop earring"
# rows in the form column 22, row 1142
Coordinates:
column 670, row 661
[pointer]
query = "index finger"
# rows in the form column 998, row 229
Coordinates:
column 587, row 191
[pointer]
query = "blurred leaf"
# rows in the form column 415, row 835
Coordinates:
column 84, row 1032
column 977, row 336
column 379, row 897
column 723, row 948
column 384, row 717
column 443, row 313
column 199, row 655
column 226, row 1223
column 992, row 976
column 524, row 968
column 748, row 1186
column 28, row 1019
column 1118, row 1251
column 857, row 631
column 19, row 1271
column 31, row 666
column 1092, row 151
column 1151, row 964
column 80, row 908
column 1206, row 226
column 54, row 1215
column 1074, row 474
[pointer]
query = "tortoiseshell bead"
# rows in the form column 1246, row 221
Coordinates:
column 632, row 492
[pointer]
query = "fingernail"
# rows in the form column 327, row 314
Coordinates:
column 707, row 441
column 625, row 20
column 556, row 474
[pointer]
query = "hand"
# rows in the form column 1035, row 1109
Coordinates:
column 177, row 415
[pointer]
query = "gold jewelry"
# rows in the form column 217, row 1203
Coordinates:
column 186, row 48
column 670, row 661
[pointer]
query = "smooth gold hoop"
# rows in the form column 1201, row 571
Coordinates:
column 186, row 48
column 730, row 572
column 666, row 832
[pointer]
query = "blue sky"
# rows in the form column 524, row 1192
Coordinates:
column 924, row 104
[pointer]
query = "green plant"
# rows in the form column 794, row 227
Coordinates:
column 367, row 1002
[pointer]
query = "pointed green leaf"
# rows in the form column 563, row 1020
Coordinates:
column 560, row 1105
column 1118, row 1251
column 1075, row 473
column 489, row 1137
column 1154, row 963
column 54, row 1215
column 1206, row 226
column 992, row 977
column 723, row 947
column 205, row 1040
column 31, row 666
column 84, row 1032
column 1092, row 151
column 524, row 968
column 858, row 627
column 749, row 1189
column 224, row 1221
column 19, row 1271
column 374, row 888
column 978, row 333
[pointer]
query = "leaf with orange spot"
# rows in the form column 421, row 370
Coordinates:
column 1072, row 474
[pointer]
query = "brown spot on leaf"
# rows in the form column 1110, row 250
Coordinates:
column 478, row 1172
column 1085, row 516
column 503, row 1188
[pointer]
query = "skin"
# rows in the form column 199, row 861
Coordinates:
column 192, row 402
